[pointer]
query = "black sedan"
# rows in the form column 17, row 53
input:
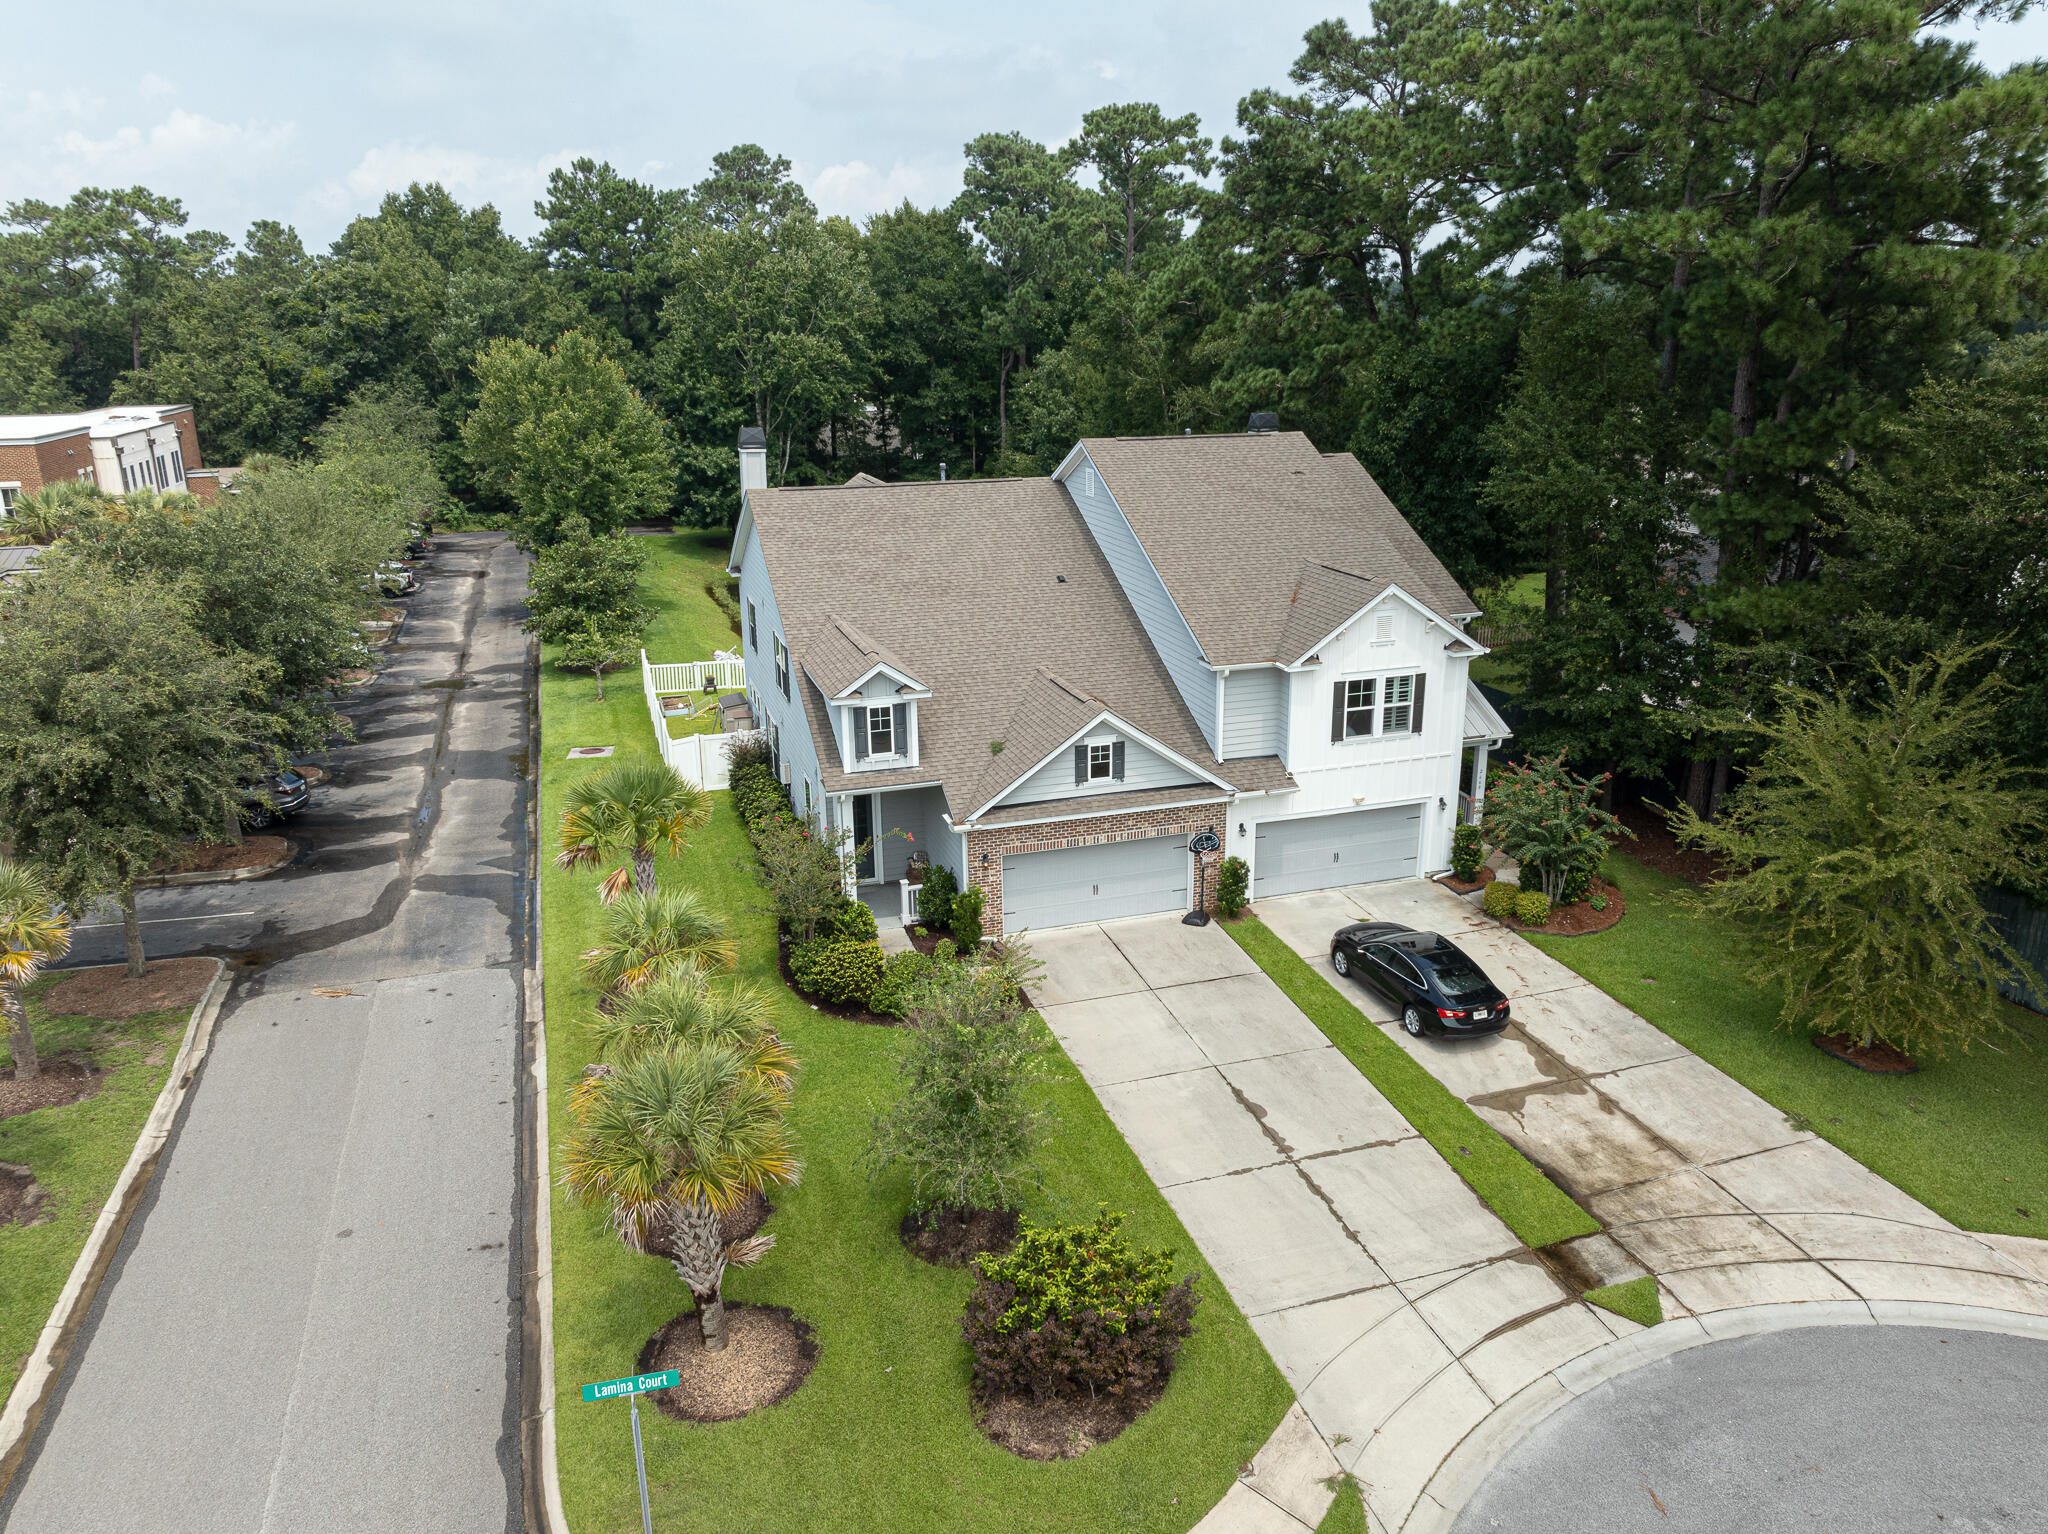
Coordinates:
column 1436, row 986
column 278, row 797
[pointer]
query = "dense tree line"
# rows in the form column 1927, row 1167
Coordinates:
column 1674, row 305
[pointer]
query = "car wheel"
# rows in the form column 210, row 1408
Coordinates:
column 1338, row 962
column 259, row 818
column 1411, row 1019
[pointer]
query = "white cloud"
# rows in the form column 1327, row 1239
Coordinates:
column 856, row 189
column 155, row 85
column 182, row 141
column 470, row 177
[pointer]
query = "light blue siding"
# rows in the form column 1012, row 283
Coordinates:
column 799, row 751
column 1143, row 768
column 1162, row 620
column 1255, row 713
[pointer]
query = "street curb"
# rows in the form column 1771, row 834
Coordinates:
column 222, row 876
column 1467, row 1466
column 31, row 1393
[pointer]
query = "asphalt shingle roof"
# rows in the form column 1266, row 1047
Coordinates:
column 1279, row 512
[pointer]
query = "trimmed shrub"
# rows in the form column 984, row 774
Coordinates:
column 749, row 749
column 1233, row 886
column 901, row 973
column 967, row 919
column 1077, row 1310
column 935, row 896
column 1500, row 897
column 850, row 919
column 1532, row 908
column 1465, row 854
column 1575, row 881
column 843, row 971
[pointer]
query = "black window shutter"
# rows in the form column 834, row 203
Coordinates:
column 1116, row 760
column 1337, row 712
column 1080, row 765
column 1415, row 716
column 899, row 716
column 860, row 733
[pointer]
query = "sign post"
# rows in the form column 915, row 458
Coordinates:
column 631, row 1387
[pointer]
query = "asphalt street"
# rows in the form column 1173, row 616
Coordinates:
column 1826, row 1430
column 314, row 1321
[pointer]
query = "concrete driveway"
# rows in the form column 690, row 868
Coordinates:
column 314, row 1321
column 1401, row 1310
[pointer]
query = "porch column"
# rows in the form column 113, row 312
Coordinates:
column 842, row 820
column 1479, row 781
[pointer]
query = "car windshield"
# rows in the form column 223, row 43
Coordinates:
column 1457, row 975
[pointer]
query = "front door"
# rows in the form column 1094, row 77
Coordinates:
column 864, row 835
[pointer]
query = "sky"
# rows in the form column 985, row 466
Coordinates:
column 310, row 113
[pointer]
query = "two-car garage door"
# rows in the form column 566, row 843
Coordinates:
column 1100, row 883
column 1358, row 847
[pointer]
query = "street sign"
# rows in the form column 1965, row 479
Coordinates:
column 631, row 1385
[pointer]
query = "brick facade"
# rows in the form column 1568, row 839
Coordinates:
column 1135, row 825
column 36, row 464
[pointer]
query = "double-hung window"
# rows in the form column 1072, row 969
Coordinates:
column 1366, row 706
column 1099, row 762
column 753, row 629
column 1357, row 706
column 781, row 665
column 881, row 728
column 1397, row 704
column 9, row 494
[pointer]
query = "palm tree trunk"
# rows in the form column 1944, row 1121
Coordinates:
column 643, row 869
column 132, row 930
column 20, row 1037
column 697, row 1251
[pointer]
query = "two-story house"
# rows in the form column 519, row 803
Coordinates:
column 1053, row 686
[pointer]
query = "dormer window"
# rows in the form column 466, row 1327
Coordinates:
column 881, row 731
column 1098, row 762
column 880, row 734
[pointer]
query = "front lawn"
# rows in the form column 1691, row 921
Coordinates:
column 879, row 1437
column 75, row 1151
column 1963, row 1135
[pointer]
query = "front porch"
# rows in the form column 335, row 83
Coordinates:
column 903, row 830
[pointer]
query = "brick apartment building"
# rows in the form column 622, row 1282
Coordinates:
column 118, row 449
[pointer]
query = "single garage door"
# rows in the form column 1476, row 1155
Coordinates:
column 1083, row 884
column 1357, row 847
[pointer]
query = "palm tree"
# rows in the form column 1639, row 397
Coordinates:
column 684, row 1006
column 647, row 934
column 45, row 515
column 668, row 1141
column 34, row 929
column 636, row 807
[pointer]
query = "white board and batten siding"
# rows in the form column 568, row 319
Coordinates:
column 1255, row 709
column 799, row 751
column 1143, row 769
column 1147, row 593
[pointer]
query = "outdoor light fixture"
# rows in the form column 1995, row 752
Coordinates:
column 1240, row 828
column 1439, row 801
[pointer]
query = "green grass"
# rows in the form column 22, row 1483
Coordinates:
column 76, row 1153
column 1531, row 1205
column 880, row 1437
column 703, row 722
column 1636, row 1300
column 1347, row 1512
column 1963, row 1135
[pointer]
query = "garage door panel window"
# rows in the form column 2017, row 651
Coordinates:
column 1365, row 706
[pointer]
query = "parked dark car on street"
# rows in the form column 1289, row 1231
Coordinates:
column 278, row 797
column 1433, row 981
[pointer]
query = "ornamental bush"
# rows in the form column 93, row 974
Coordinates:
column 1549, row 820
column 843, row 971
column 852, row 920
column 967, row 919
column 1465, row 854
column 1576, row 880
column 1075, row 1310
column 935, row 896
column 1233, row 886
column 1532, row 908
column 1499, row 899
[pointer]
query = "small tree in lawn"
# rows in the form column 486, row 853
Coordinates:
column 646, row 935
column 669, row 1140
column 635, row 807
column 965, row 1122
column 585, row 578
column 597, row 649
column 805, row 871
column 34, row 929
column 1859, row 843
column 1549, row 820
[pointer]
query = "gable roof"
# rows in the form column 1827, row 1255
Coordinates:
column 844, row 657
column 991, row 593
column 1314, row 529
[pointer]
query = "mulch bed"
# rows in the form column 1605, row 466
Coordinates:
column 1579, row 919
column 1462, row 887
column 768, row 1353
column 108, row 992
column 22, row 1200
column 831, row 1008
column 59, row 1082
column 1059, row 1429
column 952, row 1238
column 925, row 940
column 1878, row 1057
column 1655, row 846
column 225, row 857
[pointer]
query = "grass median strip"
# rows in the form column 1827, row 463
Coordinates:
column 1636, row 1300
column 1530, row 1204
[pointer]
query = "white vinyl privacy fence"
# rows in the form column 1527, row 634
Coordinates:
column 700, row 758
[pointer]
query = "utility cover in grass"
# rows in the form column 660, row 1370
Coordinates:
column 1637, row 1300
